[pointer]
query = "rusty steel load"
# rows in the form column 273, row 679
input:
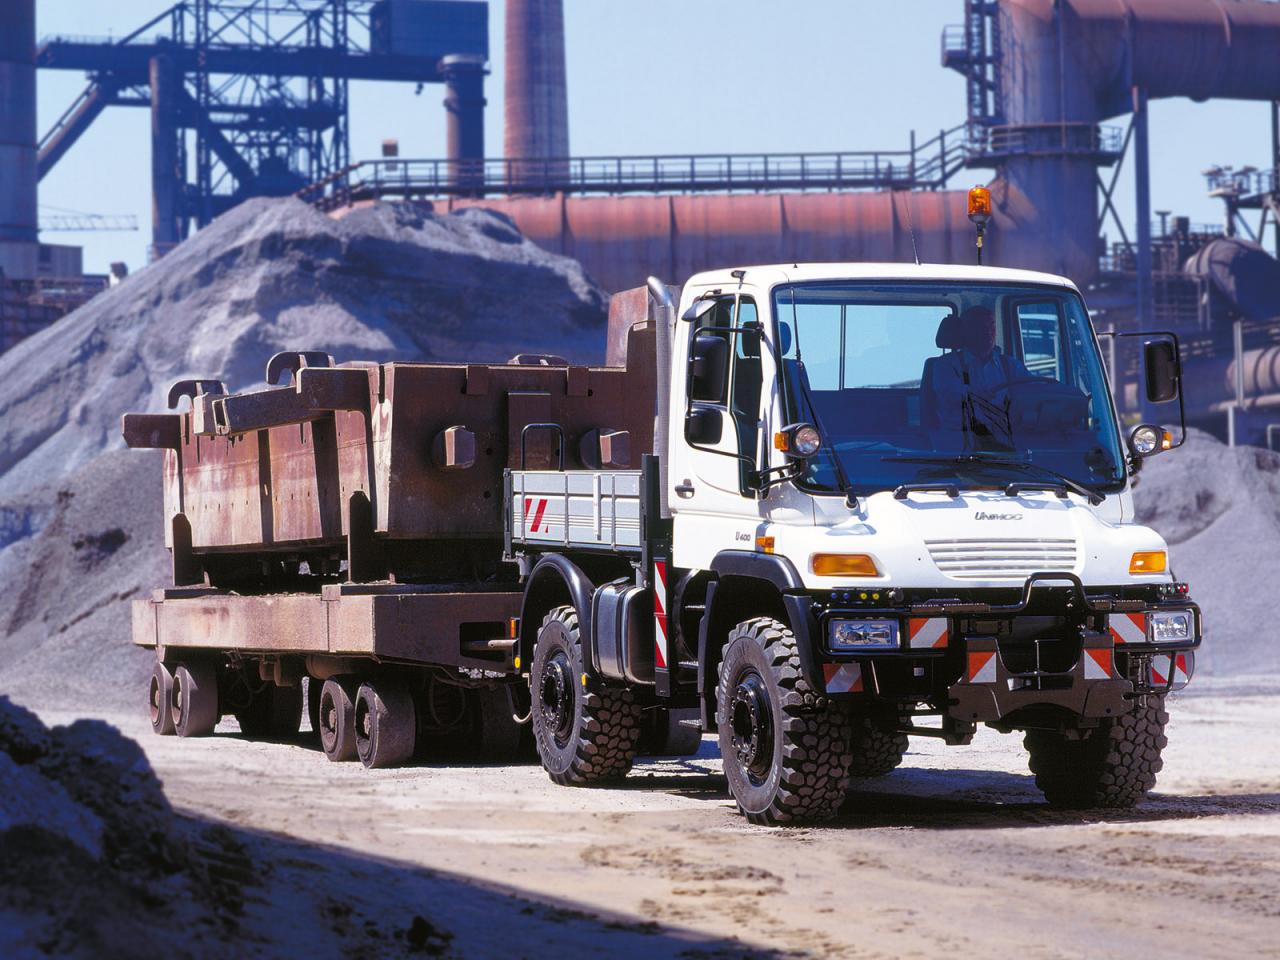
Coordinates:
column 363, row 462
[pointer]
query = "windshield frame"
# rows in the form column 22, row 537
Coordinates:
column 1020, row 291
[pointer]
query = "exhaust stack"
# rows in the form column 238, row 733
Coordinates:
column 536, row 98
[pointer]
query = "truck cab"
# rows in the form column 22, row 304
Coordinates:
column 891, row 500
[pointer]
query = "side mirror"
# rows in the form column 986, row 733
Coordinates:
column 704, row 426
column 1146, row 441
column 698, row 309
column 709, row 368
column 1160, row 359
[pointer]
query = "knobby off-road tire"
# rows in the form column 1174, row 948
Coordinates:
column 1114, row 767
column 876, row 746
column 785, row 747
column 585, row 731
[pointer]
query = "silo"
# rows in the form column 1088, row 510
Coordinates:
column 18, row 219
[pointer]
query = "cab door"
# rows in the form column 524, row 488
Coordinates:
column 721, row 427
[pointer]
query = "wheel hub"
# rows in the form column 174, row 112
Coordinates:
column 752, row 724
column 555, row 697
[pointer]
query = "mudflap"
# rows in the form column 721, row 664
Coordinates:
column 988, row 691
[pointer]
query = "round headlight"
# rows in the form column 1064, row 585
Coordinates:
column 807, row 441
column 1145, row 440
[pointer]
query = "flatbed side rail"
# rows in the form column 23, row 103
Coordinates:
column 575, row 509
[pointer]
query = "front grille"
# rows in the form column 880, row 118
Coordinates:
column 1001, row 559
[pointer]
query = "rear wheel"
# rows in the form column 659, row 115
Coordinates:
column 1114, row 766
column 337, row 720
column 195, row 699
column 585, row 731
column 385, row 724
column 785, row 749
column 160, row 700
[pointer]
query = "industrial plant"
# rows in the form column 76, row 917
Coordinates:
column 249, row 99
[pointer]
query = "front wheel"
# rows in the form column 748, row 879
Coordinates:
column 785, row 750
column 1114, row 766
column 585, row 731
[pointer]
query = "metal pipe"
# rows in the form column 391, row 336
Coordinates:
column 464, row 105
column 19, row 221
column 167, row 177
column 664, row 316
column 1142, row 202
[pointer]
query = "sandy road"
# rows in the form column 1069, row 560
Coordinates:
column 953, row 854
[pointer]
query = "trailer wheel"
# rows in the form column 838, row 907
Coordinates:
column 876, row 745
column 1115, row 766
column 585, row 731
column 160, row 700
column 195, row 699
column 337, row 721
column 785, row 750
column 385, row 724
column 273, row 713
column 500, row 735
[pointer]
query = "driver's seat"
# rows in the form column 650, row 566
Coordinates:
column 949, row 337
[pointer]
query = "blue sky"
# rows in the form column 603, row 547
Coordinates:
column 660, row 76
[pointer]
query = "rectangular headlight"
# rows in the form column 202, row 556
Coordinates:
column 863, row 635
column 1170, row 626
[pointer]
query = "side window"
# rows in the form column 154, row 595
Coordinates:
column 746, row 366
column 1040, row 335
column 716, row 323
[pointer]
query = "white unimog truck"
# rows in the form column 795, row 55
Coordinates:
column 815, row 508
column 881, row 493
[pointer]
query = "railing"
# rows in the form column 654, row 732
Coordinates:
column 1046, row 139
column 927, row 165
column 1244, row 182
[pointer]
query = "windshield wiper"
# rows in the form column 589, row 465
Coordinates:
column 1093, row 496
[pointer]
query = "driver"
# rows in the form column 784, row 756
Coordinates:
column 978, row 367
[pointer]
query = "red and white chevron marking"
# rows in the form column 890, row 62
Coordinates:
column 1097, row 663
column 982, row 666
column 660, row 614
column 1182, row 664
column 843, row 677
column 1128, row 627
column 927, row 633
column 538, row 511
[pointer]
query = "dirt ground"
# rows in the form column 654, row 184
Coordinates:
column 954, row 854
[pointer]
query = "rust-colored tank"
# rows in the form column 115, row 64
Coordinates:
column 391, row 467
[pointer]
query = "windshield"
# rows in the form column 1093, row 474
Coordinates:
column 975, row 385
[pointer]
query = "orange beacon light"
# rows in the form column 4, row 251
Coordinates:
column 980, row 213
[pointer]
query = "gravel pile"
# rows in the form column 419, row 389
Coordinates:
column 93, row 861
column 80, row 525
column 1219, row 509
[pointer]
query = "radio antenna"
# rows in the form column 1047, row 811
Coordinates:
column 911, row 227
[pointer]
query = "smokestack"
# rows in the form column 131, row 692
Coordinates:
column 18, row 220
column 536, row 98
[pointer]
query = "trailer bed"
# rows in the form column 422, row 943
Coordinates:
column 448, row 625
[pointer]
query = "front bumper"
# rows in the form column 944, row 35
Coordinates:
column 953, row 653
